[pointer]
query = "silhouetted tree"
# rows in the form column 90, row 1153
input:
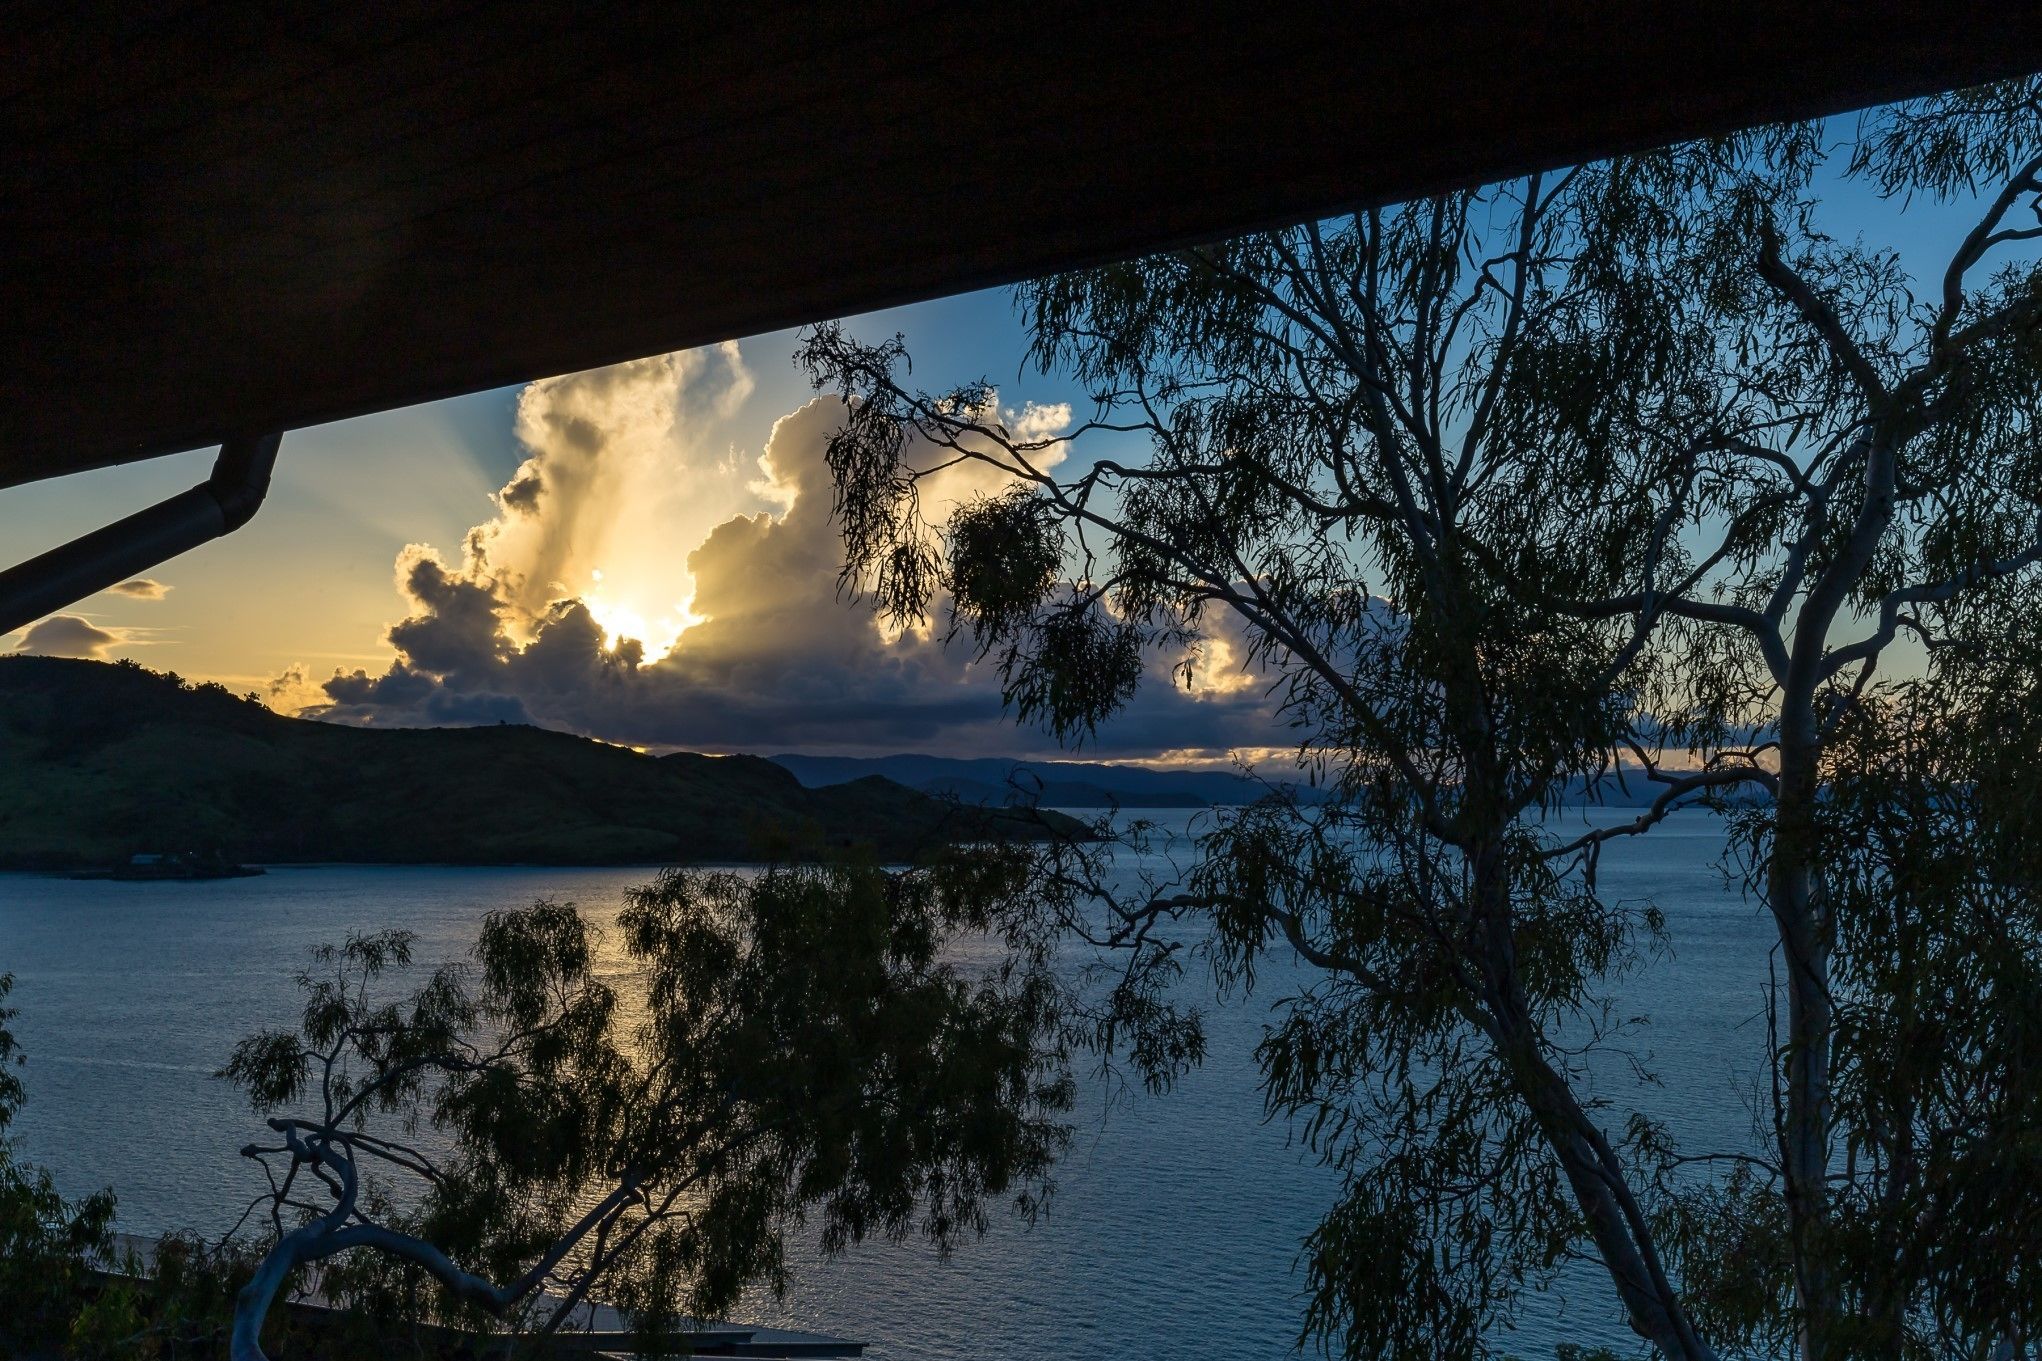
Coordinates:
column 1931, row 867
column 799, row 1052
column 47, row 1244
column 1505, row 491
column 1907, row 501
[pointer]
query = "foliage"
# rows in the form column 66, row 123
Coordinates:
column 1935, row 881
column 64, row 1288
column 47, row 1244
column 1908, row 505
column 802, row 1052
column 1629, row 471
column 1393, row 448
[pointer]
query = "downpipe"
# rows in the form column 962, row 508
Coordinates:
column 106, row 557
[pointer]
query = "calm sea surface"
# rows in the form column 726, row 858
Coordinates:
column 1176, row 1224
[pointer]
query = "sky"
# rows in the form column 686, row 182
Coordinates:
column 407, row 567
column 681, row 500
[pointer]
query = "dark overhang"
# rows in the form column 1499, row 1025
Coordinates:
column 213, row 231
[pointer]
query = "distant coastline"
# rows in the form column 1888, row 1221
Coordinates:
column 100, row 762
column 1001, row 781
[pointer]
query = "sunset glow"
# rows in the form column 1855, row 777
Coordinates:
column 682, row 502
column 617, row 607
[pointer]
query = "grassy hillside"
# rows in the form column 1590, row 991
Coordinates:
column 98, row 762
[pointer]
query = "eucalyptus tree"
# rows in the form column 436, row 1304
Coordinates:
column 792, row 1047
column 1929, row 834
column 1506, row 492
column 1895, row 492
column 1390, row 452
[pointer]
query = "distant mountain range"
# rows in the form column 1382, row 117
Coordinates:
column 100, row 762
column 995, row 782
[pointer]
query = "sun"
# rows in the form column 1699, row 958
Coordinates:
column 623, row 613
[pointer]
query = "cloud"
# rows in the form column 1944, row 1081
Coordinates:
column 141, row 588
column 1037, row 421
column 67, row 635
column 621, row 478
column 534, row 622
column 293, row 689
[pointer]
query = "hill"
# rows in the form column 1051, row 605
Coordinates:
column 99, row 761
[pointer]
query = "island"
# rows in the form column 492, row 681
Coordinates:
column 101, row 761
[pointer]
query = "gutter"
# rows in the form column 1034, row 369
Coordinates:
column 106, row 557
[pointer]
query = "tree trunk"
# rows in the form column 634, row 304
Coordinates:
column 1794, row 892
column 1616, row 1222
column 1794, row 887
column 1651, row 1305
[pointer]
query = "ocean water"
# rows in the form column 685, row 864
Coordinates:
column 1175, row 1228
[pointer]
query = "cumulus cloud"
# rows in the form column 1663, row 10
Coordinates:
column 621, row 478
column 141, row 588
column 1038, row 421
column 67, row 635
column 544, row 618
column 294, row 689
